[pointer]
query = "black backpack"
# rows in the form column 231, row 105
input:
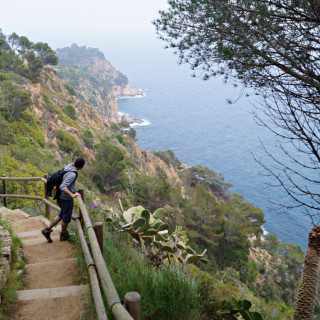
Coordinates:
column 54, row 181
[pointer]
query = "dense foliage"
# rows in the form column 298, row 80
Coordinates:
column 20, row 55
column 108, row 166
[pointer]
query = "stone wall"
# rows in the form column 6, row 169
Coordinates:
column 5, row 256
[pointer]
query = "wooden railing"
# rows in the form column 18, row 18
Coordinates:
column 95, row 264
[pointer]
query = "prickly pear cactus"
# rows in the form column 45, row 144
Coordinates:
column 152, row 233
column 242, row 307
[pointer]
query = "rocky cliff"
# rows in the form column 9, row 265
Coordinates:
column 51, row 101
column 94, row 79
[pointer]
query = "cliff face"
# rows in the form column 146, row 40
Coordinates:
column 50, row 101
column 94, row 79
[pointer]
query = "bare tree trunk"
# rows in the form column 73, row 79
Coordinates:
column 308, row 287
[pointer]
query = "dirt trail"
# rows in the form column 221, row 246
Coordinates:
column 50, row 289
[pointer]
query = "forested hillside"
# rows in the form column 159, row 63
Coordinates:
column 50, row 114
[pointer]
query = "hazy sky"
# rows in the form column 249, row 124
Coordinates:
column 62, row 22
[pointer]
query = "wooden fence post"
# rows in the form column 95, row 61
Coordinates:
column 132, row 301
column 81, row 191
column 46, row 196
column 4, row 183
column 98, row 228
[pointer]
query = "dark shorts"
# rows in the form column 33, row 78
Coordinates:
column 66, row 209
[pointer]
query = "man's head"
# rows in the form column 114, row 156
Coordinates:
column 79, row 163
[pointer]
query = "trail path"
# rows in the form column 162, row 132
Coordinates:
column 50, row 288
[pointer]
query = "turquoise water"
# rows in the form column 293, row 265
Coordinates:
column 193, row 119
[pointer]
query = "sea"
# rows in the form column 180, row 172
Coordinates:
column 193, row 118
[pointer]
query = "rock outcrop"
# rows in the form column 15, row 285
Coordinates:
column 94, row 79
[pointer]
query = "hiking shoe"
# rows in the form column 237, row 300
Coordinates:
column 65, row 236
column 46, row 232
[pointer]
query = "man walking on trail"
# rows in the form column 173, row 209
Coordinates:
column 65, row 200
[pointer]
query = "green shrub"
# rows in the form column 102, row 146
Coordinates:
column 120, row 138
column 67, row 143
column 124, row 124
column 169, row 158
column 88, row 139
column 28, row 126
column 13, row 100
column 6, row 133
column 4, row 76
column 70, row 111
column 47, row 103
column 132, row 133
column 114, row 127
column 151, row 192
column 109, row 167
column 249, row 272
column 26, row 149
column 70, row 89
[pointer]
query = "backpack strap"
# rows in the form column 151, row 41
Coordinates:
column 76, row 172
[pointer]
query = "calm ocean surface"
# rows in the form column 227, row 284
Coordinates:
column 193, row 119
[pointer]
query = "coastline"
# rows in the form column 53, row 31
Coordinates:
column 125, row 116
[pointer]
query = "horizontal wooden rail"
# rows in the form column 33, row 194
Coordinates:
column 97, row 297
column 19, row 196
column 21, row 178
column 52, row 205
column 43, row 180
column 115, row 305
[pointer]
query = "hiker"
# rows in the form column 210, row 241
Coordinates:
column 65, row 200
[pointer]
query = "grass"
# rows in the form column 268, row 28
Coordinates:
column 15, row 279
column 166, row 293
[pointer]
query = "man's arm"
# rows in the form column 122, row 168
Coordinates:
column 70, row 194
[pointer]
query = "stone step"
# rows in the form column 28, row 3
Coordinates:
column 72, row 307
column 36, row 241
column 57, row 250
column 51, row 293
column 29, row 224
column 52, row 274
column 66, row 260
column 35, row 233
column 13, row 215
column 21, row 213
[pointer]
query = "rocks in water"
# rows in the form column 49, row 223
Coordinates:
column 125, row 117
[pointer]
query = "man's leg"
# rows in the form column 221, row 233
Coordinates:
column 55, row 221
column 47, row 231
column 64, row 227
column 67, row 215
